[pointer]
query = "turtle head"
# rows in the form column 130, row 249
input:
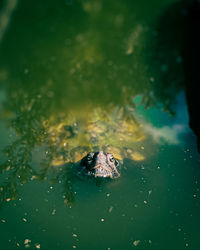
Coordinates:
column 101, row 164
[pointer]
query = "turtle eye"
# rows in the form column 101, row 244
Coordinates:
column 112, row 158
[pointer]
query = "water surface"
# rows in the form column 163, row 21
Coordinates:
column 89, row 75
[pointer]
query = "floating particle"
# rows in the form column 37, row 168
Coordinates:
column 145, row 202
column 3, row 221
column 108, row 195
column 53, row 212
column 8, row 199
column 136, row 242
column 150, row 241
column 74, row 246
column 37, row 246
column 26, row 241
column 102, row 219
column 75, row 235
column 150, row 191
column 24, row 219
column 110, row 209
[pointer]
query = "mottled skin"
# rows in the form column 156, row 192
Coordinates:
column 100, row 164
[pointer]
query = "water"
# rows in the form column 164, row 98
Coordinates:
column 77, row 76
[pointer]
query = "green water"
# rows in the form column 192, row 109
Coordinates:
column 67, row 62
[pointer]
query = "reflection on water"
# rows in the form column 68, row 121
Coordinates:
column 75, row 77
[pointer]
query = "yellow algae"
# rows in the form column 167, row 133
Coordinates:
column 115, row 151
column 136, row 156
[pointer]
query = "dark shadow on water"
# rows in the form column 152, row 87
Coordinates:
column 176, row 53
column 191, row 63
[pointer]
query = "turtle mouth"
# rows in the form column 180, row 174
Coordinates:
column 103, row 170
column 105, row 167
column 106, row 170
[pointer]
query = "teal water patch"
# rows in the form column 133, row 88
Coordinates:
column 162, row 126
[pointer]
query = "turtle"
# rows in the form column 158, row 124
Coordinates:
column 97, row 133
column 91, row 145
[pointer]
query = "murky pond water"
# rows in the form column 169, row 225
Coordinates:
column 80, row 76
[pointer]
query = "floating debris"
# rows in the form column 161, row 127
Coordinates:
column 53, row 212
column 110, row 209
column 37, row 246
column 136, row 242
column 26, row 243
column 75, row 235
column 102, row 219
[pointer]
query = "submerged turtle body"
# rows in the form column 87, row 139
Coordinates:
column 113, row 136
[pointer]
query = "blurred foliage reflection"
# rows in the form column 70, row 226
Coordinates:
column 69, row 71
